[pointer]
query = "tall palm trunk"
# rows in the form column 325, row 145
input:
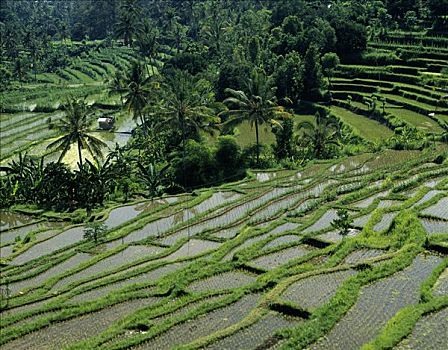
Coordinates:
column 61, row 157
column 142, row 121
column 183, row 152
column 258, row 143
column 80, row 154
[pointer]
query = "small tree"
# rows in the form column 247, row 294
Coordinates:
column 330, row 62
column 343, row 223
column 284, row 139
column 95, row 231
column 312, row 78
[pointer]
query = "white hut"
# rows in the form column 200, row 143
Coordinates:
column 106, row 123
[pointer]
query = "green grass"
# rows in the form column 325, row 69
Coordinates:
column 367, row 128
column 420, row 121
column 245, row 134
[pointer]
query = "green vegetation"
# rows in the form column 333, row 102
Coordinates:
column 223, row 174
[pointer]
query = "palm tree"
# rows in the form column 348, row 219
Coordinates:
column 321, row 135
column 258, row 106
column 117, row 85
column 128, row 26
column 74, row 127
column 186, row 105
column 148, row 44
column 137, row 92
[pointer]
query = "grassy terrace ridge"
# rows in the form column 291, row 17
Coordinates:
column 368, row 129
column 158, row 284
column 418, row 112
column 424, row 90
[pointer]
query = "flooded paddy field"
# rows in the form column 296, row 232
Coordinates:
column 245, row 267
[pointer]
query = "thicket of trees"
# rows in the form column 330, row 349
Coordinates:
column 217, row 30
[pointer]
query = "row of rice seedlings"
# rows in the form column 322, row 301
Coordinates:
column 12, row 121
column 122, row 257
column 80, row 327
column 42, row 135
column 29, row 126
column 229, row 216
column 204, row 324
column 377, row 303
column 439, row 210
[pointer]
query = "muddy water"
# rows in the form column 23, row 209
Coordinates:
column 9, row 220
column 5, row 251
column 120, row 215
column 160, row 226
column 62, row 240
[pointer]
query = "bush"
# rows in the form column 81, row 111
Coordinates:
column 267, row 159
column 228, row 157
column 197, row 169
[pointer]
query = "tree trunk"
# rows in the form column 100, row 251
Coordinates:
column 143, row 122
column 61, row 156
column 80, row 155
column 183, row 153
column 258, row 146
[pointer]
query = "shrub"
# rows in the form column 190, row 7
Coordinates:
column 198, row 168
column 95, row 231
column 228, row 156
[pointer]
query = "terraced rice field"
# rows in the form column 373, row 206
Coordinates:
column 366, row 128
column 412, row 90
column 206, row 272
column 28, row 112
column 377, row 303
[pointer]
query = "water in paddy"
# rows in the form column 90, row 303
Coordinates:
column 64, row 239
column 9, row 236
column 9, row 220
column 120, row 215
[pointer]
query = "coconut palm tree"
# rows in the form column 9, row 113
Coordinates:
column 128, row 25
column 319, row 135
column 117, row 85
column 186, row 105
column 137, row 91
column 258, row 106
column 148, row 44
column 74, row 128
